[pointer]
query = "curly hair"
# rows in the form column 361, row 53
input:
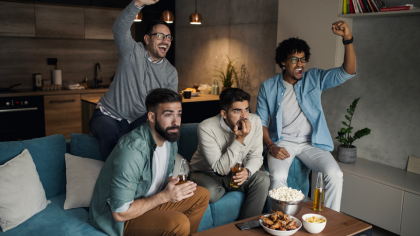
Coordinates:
column 291, row 46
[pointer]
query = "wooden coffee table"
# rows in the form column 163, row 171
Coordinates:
column 338, row 224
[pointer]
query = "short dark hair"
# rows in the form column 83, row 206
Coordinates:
column 151, row 24
column 161, row 95
column 229, row 96
column 291, row 46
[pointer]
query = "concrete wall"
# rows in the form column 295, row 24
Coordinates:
column 387, row 52
column 244, row 29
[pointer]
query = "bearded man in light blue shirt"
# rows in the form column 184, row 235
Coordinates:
column 291, row 101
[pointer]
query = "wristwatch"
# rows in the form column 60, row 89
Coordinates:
column 249, row 174
column 345, row 42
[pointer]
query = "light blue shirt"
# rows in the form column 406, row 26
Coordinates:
column 308, row 93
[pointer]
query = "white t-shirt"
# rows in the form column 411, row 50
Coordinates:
column 160, row 165
column 296, row 127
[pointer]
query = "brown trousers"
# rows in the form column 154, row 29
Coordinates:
column 172, row 218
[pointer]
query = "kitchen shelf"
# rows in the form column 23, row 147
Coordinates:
column 382, row 14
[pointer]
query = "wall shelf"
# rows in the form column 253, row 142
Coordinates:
column 381, row 14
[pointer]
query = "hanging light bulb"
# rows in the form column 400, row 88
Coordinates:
column 139, row 17
column 167, row 16
column 195, row 18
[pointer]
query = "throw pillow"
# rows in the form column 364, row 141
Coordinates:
column 22, row 193
column 82, row 174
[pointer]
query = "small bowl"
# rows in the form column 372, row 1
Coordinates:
column 194, row 94
column 282, row 233
column 313, row 228
column 291, row 208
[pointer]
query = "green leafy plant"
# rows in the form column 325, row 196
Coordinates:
column 344, row 137
column 228, row 76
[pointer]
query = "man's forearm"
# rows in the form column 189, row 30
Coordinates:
column 140, row 206
column 349, row 57
column 266, row 136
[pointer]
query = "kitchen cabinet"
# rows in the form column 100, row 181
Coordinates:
column 63, row 114
column 17, row 19
column 99, row 23
column 59, row 22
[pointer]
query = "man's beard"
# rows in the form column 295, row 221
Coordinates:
column 232, row 123
column 171, row 137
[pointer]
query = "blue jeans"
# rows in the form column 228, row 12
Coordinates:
column 108, row 130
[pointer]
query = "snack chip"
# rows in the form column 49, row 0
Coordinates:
column 315, row 219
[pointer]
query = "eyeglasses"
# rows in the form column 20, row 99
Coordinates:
column 295, row 60
column 160, row 36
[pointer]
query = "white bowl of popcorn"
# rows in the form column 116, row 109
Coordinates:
column 286, row 200
column 314, row 223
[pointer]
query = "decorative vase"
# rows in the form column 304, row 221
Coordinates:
column 347, row 155
column 223, row 88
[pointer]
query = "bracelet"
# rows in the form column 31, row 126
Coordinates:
column 269, row 144
column 346, row 42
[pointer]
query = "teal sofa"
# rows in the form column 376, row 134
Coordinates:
column 48, row 156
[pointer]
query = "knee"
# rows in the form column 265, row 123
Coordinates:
column 334, row 176
column 179, row 225
column 279, row 176
column 202, row 193
column 262, row 179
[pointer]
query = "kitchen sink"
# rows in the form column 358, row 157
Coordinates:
column 100, row 87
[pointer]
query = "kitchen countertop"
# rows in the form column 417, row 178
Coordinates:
column 200, row 98
column 29, row 92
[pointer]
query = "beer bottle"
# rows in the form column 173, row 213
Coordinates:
column 319, row 193
column 182, row 175
column 238, row 168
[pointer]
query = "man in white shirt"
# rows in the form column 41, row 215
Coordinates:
column 232, row 136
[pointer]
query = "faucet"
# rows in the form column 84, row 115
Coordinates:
column 97, row 81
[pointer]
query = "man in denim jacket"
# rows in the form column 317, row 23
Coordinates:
column 291, row 101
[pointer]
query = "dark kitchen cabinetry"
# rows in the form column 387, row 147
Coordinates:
column 63, row 114
column 59, row 22
column 17, row 19
column 99, row 23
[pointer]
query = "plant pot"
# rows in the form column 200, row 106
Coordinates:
column 347, row 155
column 223, row 88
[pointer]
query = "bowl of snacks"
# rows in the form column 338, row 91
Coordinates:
column 279, row 223
column 286, row 200
column 314, row 223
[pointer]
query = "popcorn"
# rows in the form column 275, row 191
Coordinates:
column 286, row 194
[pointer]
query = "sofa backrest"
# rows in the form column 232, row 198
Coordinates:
column 48, row 156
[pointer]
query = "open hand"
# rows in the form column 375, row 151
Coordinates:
column 279, row 152
column 239, row 177
column 145, row 2
column 246, row 129
column 176, row 193
column 341, row 28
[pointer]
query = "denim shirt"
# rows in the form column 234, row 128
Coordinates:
column 126, row 175
column 308, row 93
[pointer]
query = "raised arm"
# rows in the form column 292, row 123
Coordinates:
column 341, row 28
column 121, row 29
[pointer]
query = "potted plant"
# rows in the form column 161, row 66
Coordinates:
column 227, row 76
column 347, row 153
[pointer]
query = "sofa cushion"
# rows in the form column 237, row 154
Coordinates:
column 227, row 209
column 207, row 220
column 82, row 174
column 48, row 156
column 188, row 140
column 84, row 145
column 25, row 195
column 54, row 220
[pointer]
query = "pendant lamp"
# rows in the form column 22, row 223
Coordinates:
column 139, row 17
column 195, row 18
column 167, row 16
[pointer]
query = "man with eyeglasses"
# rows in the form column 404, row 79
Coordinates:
column 291, row 101
column 141, row 68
